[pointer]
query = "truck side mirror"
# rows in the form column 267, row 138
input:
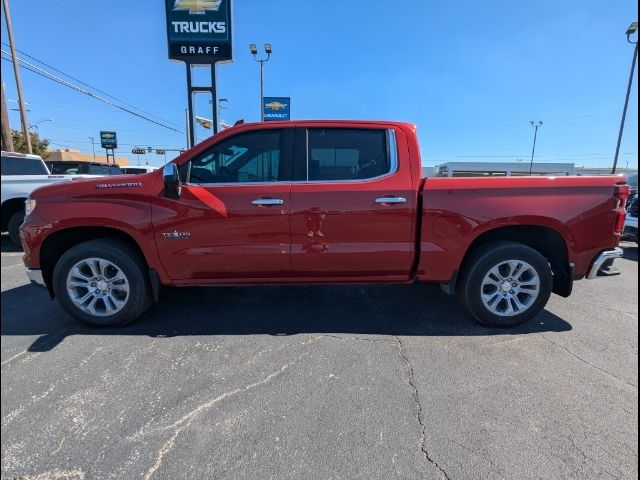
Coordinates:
column 172, row 182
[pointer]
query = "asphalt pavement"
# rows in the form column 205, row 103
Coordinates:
column 306, row 382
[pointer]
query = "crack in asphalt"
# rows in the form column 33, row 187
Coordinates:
column 416, row 399
column 186, row 421
column 414, row 389
column 602, row 370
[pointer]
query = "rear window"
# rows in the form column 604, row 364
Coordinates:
column 346, row 154
column 133, row 170
column 22, row 166
column 66, row 168
column 102, row 170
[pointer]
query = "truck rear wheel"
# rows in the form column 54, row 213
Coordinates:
column 13, row 227
column 505, row 284
column 102, row 283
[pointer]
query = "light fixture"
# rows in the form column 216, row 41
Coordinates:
column 632, row 28
column 267, row 48
column 254, row 49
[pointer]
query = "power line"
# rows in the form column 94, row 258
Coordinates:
column 114, row 45
column 87, row 85
column 45, row 74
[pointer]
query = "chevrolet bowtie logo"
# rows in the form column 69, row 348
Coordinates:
column 197, row 7
column 275, row 105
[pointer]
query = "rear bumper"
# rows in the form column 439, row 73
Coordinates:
column 602, row 266
column 35, row 275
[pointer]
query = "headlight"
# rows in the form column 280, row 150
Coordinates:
column 29, row 205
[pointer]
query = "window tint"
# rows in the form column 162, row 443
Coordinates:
column 341, row 154
column 64, row 168
column 22, row 166
column 132, row 170
column 99, row 170
column 247, row 157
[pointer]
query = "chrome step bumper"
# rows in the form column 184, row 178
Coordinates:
column 602, row 266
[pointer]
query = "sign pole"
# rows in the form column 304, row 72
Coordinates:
column 214, row 98
column 188, row 127
column 190, row 107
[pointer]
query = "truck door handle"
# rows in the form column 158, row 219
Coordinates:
column 390, row 200
column 267, row 201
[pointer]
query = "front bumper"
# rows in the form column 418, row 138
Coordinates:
column 602, row 266
column 35, row 275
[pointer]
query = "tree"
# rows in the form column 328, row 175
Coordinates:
column 39, row 146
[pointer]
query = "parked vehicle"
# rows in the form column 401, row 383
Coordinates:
column 631, row 223
column 65, row 167
column 320, row 202
column 137, row 170
column 22, row 174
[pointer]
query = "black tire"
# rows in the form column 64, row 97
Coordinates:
column 126, row 259
column 478, row 265
column 13, row 227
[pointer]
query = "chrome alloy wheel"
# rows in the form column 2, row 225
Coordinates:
column 510, row 288
column 98, row 287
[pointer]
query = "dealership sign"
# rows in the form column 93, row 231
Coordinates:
column 199, row 31
column 277, row 108
column 108, row 140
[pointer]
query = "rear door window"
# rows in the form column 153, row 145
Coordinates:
column 335, row 154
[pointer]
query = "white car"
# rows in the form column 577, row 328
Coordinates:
column 21, row 174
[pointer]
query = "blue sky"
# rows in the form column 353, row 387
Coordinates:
column 470, row 74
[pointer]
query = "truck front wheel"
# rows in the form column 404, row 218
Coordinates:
column 102, row 282
column 505, row 284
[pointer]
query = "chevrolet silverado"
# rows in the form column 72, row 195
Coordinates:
column 319, row 202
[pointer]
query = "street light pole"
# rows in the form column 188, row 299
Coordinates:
column 36, row 125
column 93, row 146
column 16, row 71
column 536, row 125
column 254, row 51
column 630, row 31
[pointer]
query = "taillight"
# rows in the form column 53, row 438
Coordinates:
column 621, row 192
column 620, row 219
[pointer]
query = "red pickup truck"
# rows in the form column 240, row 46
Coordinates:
column 319, row 202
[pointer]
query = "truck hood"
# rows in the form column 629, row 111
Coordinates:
column 87, row 187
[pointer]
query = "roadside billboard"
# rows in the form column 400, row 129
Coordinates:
column 277, row 108
column 199, row 31
column 108, row 139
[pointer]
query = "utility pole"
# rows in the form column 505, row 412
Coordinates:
column 630, row 31
column 7, row 140
column 16, row 71
column 536, row 125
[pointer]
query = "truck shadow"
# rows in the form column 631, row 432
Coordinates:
column 407, row 310
column 630, row 251
column 7, row 246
